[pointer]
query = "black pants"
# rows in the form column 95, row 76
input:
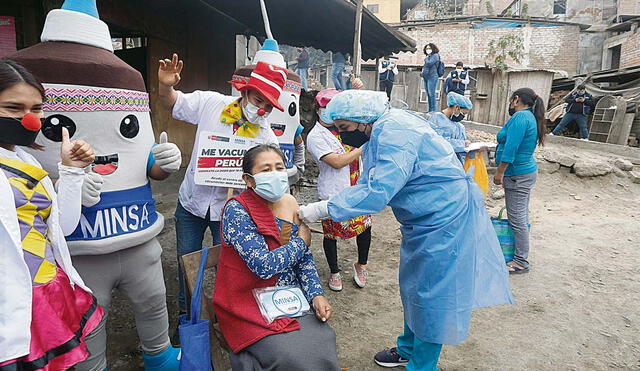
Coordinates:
column 386, row 86
column 363, row 240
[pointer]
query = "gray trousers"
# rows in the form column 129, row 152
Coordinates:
column 517, row 193
column 312, row 348
column 137, row 273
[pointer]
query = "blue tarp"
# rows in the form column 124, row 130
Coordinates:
column 509, row 24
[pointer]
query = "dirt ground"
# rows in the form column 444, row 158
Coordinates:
column 576, row 310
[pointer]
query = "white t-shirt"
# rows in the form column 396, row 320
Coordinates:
column 204, row 108
column 320, row 142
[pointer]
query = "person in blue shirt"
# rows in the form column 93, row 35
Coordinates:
column 338, row 60
column 430, row 74
column 450, row 257
column 517, row 168
column 447, row 123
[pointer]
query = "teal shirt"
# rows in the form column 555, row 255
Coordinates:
column 516, row 143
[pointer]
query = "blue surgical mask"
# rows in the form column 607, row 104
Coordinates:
column 271, row 185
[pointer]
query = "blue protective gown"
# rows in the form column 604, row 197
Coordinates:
column 450, row 259
column 453, row 132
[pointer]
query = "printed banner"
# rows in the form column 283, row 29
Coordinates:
column 220, row 159
column 7, row 36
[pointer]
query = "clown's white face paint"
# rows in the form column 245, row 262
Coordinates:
column 121, row 140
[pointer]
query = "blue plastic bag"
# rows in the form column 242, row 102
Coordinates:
column 194, row 332
column 505, row 236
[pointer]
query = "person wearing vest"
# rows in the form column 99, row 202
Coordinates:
column 457, row 80
column 47, row 313
column 388, row 71
column 264, row 245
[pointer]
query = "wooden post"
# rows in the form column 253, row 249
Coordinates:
column 356, row 40
column 376, row 86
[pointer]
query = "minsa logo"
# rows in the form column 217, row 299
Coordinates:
column 216, row 138
column 287, row 302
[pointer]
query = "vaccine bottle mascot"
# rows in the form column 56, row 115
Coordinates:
column 285, row 124
column 102, row 100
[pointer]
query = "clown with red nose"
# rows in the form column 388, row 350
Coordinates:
column 200, row 206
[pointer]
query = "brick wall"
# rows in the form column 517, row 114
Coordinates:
column 630, row 51
column 628, row 7
column 544, row 47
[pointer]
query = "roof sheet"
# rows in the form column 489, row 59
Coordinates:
column 325, row 25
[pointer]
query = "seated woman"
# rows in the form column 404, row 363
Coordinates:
column 255, row 254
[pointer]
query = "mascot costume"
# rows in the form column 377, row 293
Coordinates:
column 102, row 100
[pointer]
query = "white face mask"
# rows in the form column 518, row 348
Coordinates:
column 429, row 51
column 459, row 70
column 251, row 113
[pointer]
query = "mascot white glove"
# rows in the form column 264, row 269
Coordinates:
column 91, row 188
column 314, row 212
column 167, row 155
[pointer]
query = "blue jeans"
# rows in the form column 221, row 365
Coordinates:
column 302, row 72
column 336, row 75
column 189, row 235
column 422, row 356
column 430, row 87
column 581, row 120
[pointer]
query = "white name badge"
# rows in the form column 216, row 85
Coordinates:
column 280, row 302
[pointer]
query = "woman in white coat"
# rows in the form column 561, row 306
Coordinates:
column 46, row 311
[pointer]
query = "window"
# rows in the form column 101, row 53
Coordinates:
column 420, row 14
column 373, row 8
column 559, row 6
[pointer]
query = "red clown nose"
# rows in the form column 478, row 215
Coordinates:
column 261, row 112
column 31, row 122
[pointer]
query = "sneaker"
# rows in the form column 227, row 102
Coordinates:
column 359, row 275
column 390, row 358
column 335, row 282
column 552, row 134
column 584, row 139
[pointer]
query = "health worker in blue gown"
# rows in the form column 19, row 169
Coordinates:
column 450, row 258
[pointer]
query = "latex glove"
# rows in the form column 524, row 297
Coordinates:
column 298, row 157
column 314, row 212
column 167, row 155
column 91, row 188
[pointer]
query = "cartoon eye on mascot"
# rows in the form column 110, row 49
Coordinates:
column 102, row 100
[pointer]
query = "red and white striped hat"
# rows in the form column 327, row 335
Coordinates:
column 266, row 79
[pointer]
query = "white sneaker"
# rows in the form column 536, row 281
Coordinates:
column 335, row 282
column 584, row 139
